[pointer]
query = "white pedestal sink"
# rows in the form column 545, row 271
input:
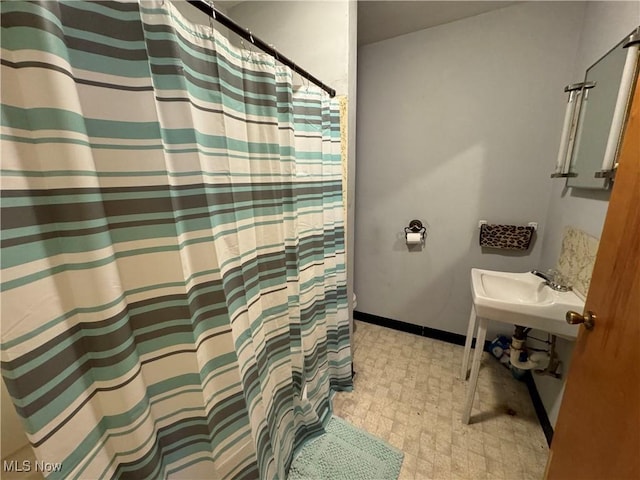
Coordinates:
column 515, row 298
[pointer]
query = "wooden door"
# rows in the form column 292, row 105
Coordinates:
column 598, row 430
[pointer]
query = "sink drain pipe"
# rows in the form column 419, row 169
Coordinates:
column 518, row 356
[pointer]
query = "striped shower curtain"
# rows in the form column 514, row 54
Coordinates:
column 173, row 270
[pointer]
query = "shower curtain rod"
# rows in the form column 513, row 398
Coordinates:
column 211, row 11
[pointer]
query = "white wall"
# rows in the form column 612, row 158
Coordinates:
column 605, row 24
column 456, row 123
column 314, row 34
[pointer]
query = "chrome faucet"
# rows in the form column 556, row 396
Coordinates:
column 552, row 280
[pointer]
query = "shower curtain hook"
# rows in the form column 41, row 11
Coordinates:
column 250, row 52
column 212, row 17
column 249, row 48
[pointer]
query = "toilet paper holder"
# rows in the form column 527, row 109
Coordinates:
column 415, row 226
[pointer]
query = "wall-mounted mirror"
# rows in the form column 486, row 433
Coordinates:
column 595, row 140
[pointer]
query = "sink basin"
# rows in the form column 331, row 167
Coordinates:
column 523, row 299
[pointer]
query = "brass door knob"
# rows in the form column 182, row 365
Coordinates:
column 574, row 318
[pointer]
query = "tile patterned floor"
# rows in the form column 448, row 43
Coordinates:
column 407, row 391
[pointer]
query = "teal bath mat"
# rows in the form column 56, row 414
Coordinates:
column 346, row 453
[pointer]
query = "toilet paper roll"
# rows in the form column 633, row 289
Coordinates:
column 414, row 238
